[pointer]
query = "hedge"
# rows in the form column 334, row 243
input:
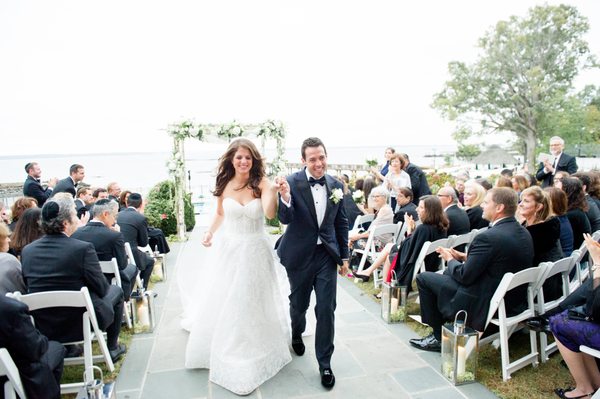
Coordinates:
column 160, row 210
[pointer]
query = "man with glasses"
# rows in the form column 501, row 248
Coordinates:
column 561, row 162
column 458, row 218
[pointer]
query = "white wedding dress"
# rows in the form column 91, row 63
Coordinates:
column 237, row 315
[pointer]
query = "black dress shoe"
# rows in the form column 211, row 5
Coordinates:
column 298, row 346
column 74, row 350
column 539, row 324
column 327, row 378
column 364, row 278
column 115, row 354
column 429, row 343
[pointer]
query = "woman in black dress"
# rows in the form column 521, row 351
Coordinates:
column 474, row 195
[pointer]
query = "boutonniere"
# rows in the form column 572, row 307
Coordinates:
column 336, row 195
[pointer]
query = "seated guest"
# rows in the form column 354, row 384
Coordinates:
column 519, row 183
column 474, row 195
column 378, row 200
column 11, row 277
column 39, row 361
column 458, row 218
column 459, row 188
column 576, row 208
column 506, row 173
column 69, row 184
column 594, row 188
column 368, row 185
column 83, row 201
column 503, row 182
column 108, row 241
column 536, row 212
column 571, row 334
column 396, row 177
column 469, row 282
column 352, row 211
column 17, row 209
column 557, row 181
column 27, row 230
column 434, row 225
column 134, row 227
column 4, row 216
column 593, row 213
column 558, row 201
column 405, row 205
column 99, row 193
column 114, row 191
column 32, row 186
column 59, row 262
column 484, row 183
column 123, row 199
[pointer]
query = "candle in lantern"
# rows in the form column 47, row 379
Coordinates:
column 157, row 270
column 461, row 360
column 394, row 305
column 143, row 312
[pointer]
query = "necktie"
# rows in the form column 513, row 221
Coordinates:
column 312, row 181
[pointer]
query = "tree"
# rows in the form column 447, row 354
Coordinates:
column 526, row 64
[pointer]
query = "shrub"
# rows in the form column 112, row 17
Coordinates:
column 160, row 210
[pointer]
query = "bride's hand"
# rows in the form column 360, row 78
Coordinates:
column 207, row 239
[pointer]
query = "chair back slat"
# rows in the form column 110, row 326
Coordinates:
column 111, row 267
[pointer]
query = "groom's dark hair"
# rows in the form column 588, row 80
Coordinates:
column 311, row 142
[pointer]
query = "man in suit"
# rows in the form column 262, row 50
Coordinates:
column 458, row 218
column 114, row 191
column 561, row 162
column 69, row 184
column 32, row 186
column 59, row 262
column 39, row 361
column 134, row 227
column 469, row 282
column 103, row 232
column 313, row 245
column 418, row 181
column 83, row 200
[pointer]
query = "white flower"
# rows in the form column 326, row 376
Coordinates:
column 172, row 166
column 358, row 196
column 336, row 195
column 236, row 130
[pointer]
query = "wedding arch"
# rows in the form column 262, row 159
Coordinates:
column 187, row 129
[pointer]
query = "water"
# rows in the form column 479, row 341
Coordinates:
column 140, row 171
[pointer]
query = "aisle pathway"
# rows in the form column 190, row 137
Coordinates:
column 371, row 359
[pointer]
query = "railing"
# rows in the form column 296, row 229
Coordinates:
column 336, row 169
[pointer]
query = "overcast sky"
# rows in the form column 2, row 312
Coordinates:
column 79, row 76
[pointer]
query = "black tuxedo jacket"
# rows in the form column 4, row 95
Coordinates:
column 57, row 262
column 108, row 243
column 566, row 163
column 134, row 227
column 36, row 360
column 418, row 182
column 506, row 247
column 299, row 241
column 33, row 188
column 476, row 219
column 459, row 220
column 65, row 185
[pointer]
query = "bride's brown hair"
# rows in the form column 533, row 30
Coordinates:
column 226, row 171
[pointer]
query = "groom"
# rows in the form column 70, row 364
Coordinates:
column 314, row 244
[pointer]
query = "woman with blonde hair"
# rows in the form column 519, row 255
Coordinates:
column 473, row 195
column 535, row 209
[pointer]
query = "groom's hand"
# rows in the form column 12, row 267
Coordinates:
column 344, row 268
column 283, row 188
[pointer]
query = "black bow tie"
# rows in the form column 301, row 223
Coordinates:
column 312, row 181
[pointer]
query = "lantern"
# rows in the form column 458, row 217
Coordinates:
column 142, row 309
column 393, row 301
column 160, row 266
column 460, row 346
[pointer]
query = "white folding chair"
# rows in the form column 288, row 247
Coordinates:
column 507, row 325
column 428, row 247
column 131, row 259
column 595, row 353
column 13, row 388
column 360, row 220
column 463, row 239
column 562, row 267
column 369, row 251
column 91, row 331
column 112, row 267
column 401, row 232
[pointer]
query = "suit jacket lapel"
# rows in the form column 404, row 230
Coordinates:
column 306, row 193
column 329, row 204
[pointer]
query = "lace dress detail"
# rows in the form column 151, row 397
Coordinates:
column 238, row 319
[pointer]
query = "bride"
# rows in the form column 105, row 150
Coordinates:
column 237, row 318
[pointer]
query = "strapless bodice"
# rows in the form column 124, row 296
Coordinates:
column 243, row 219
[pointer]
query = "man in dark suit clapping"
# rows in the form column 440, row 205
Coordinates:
column 69, row 184
column 134, row 227
column 104, row 233
column 32, row 186
column 561, row 162
column 470, row 281
column 59, row 262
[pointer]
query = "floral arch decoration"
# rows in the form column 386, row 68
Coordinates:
column 269, row 130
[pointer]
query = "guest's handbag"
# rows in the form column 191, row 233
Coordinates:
column 579, row 313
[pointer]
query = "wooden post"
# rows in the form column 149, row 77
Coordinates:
column 180, row 188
